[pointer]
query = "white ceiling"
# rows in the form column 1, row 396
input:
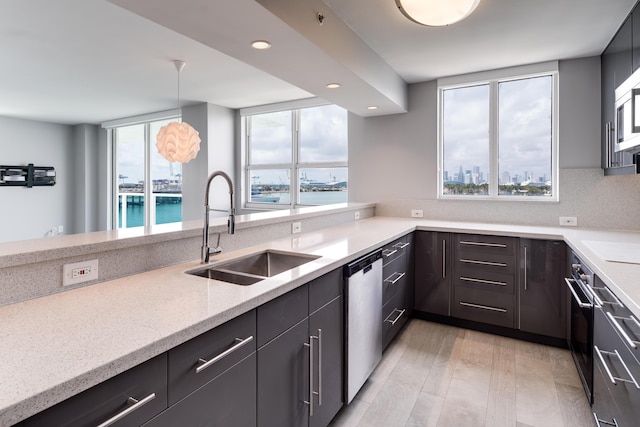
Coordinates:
column 89, row 61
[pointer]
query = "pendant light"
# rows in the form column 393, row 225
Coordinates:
column 436, row 13
column 178, row 141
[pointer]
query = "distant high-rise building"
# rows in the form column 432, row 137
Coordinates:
column 506, row 178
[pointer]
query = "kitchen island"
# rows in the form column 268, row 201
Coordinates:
column 57, row 346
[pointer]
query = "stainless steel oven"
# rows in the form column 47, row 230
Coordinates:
column 581, row 322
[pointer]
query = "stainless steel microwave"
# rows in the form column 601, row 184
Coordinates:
column 627, row 126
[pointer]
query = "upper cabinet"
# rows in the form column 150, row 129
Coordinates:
column 618, row 61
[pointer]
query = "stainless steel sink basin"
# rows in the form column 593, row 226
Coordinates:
column 254, row 268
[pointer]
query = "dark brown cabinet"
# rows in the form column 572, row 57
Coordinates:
column 542, row 295
column 617, row 62
column 433, row 254
column 484, row 275
column 300, row 355
column 397, row 286
column 143, row 387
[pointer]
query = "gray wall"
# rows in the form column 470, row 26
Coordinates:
column 27, row 213
column 393, row 161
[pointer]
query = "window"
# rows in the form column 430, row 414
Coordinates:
column 138, row 163
column 296, row 157
column 498, row 138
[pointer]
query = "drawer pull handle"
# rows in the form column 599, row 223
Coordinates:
column 483, row 307
column 606, row 367
column 600, row 422
column 491, row 245
column 389, row 252
column 401, row 245
column 137, row 404
column 400, row 313
column 206, row 363
column 616, row 302
column 393, row 279
column 614, row 320
column 486, row 282
column 494, row 264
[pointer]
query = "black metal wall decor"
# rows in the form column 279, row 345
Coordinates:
column 27, row 176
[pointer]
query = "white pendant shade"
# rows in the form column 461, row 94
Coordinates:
column 437, row 13
column 178, row 142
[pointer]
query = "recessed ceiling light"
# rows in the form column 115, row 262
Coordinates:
column 333, row 85
column 261, row 44
column 372, row 107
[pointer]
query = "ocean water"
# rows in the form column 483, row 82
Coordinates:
column 172, row 212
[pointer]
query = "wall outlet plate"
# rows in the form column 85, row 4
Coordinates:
column 79, row 272
column 570, row 221
column 357, row 215
column 296, row 227
column 416, row 213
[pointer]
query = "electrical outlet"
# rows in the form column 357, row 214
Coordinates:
column 357, row 215
column 571, row 221
column 416, row 213
column 79, row 272
column 296, row 227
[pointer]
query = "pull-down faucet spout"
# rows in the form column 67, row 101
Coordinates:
column 205, row 251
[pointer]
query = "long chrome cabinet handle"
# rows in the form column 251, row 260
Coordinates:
column 483, row 307
column 401, row 245
column 400, row 313
column 618, row 326
column 395, row 279
column 310, row 401
column 319, row 367
column 575, row 295
column 206, row 363
column 613, row 421
column 389, row 252
column 624, row 365
column 137, row 404
column 311, row 369
column 444, row 259
column 616, row 302
column 486, row 282
column 492, row 245
column 494, row 264
column 525, row 268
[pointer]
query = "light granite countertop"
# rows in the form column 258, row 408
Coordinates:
column 57, row 346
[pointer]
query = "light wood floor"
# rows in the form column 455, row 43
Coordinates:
column 438, row 375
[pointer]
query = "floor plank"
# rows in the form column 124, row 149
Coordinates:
column 440, row 376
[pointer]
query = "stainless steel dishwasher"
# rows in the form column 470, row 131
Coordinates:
column 363, row 316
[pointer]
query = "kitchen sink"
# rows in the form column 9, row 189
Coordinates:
column 253, row 268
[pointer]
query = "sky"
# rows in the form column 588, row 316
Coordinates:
column 524, row 127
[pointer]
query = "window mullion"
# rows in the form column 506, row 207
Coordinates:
column 294, row 185
column 149, row 205
column 494, row 151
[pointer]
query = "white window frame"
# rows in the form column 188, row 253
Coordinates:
column 110, row 126
column 493, row 78
column 294, row 166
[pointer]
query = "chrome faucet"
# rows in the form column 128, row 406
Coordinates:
column 205, row 251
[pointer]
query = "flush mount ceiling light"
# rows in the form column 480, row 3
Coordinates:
column 261, row 44
column 178, row 141
column 436, row 13
column 372, row 107
column 333, row 85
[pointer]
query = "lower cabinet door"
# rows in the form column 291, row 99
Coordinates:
column 283, row 379
column 227, row 400
column 326, row 325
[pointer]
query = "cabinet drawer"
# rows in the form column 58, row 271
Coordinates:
column 489, row 262
column 477, row 243
column 228, row 344
column 146, row 383
column 490, row 281
column 228, row 400
column 394, row 275
column 395, row 314
column 280, row 314
column 395, row 249
column 619, row 366
column 325, row 289
column 484, row 306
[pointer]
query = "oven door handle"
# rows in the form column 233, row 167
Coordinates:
column 575, row 295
